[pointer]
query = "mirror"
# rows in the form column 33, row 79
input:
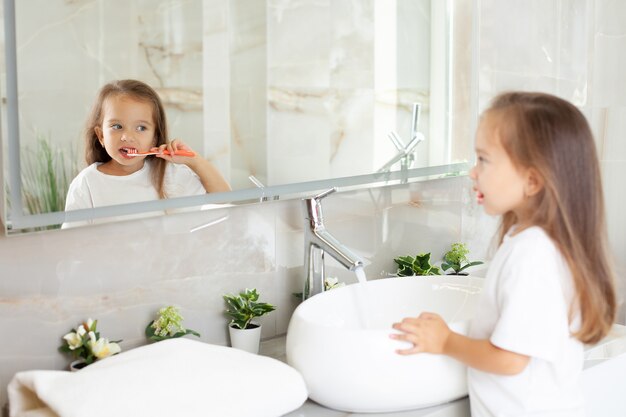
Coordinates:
column 297, row 94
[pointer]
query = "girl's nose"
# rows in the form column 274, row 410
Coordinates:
column 472, row 172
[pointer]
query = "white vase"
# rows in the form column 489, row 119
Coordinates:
column 246, row 339
column 77, row 365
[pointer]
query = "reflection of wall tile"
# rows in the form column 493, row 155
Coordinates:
column 300, row 35
column 351, row 60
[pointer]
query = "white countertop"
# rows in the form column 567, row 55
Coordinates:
column 459, row 408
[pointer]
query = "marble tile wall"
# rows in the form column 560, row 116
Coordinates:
column 121, row 273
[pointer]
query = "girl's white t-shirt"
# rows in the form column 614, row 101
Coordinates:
column 525, row 309
column 92, row 188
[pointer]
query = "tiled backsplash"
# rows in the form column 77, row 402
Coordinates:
column 121, row 273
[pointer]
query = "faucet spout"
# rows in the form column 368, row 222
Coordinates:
column 317, row 242
column 329, row 244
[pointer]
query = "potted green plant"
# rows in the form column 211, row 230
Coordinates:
column 242, row 309
column 168, row 325
column 456, row 259
column 86, row 346
column 418, row 265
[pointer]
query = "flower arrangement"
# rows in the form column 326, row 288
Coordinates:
column 244, row 307
column 85, row 343
column 168, row 325
column 456, row 259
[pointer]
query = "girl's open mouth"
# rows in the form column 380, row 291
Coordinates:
column 126, row 150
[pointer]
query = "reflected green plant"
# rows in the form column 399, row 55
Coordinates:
column 46, row 172
column 46, row 175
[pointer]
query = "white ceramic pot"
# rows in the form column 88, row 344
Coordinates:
column 77, row 365
column 246, row 339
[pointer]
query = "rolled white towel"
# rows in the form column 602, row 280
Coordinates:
column 177, row 377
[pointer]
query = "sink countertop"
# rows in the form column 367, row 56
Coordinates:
column 275, row 348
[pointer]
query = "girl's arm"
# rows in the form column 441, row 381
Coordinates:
column 210, row 177
column 430, row 333
column 212, row 180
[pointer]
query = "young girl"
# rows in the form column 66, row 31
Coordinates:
column 128, row 117
column 550, row 287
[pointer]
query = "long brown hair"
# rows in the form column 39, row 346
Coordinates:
column 137, row 90
column 551, row 136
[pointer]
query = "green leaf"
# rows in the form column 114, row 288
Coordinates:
column 405, row 271
column 404, row 261
column 244, row 307
column 471, row 264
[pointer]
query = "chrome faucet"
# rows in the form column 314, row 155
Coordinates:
column 317, row 242
column 405, row 153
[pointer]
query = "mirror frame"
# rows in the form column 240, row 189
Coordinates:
column 17, row 221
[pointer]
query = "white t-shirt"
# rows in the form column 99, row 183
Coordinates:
column 524, row 309
column 92, row 188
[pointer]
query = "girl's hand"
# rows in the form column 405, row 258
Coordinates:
column 173, row 146
column 428, row 333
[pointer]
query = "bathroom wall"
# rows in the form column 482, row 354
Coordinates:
column 122, row 273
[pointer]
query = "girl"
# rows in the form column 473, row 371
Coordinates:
column 128, row 116
column 550, row 287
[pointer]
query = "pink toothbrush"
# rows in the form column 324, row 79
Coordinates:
column 166, row 152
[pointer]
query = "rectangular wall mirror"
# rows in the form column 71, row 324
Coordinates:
column 300, row 95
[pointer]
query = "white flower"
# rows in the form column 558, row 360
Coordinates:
column 81, row 330
column 102, row 348
column 74, row 341
column 90, row 324
column 331, row 283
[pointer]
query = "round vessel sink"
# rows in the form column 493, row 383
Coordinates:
column 339, row 341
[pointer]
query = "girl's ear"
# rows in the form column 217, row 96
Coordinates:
column 98, row 132
column 534, row 182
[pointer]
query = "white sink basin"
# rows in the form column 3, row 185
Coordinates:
column 339, row 341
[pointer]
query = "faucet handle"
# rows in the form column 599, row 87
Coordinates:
column 313, row 207
column 325, row 193
column 415, row 119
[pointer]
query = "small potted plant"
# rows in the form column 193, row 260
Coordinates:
column 242, row 308
column 168, row 325
column 456, row 259
column 86, row 346
column 419, row 265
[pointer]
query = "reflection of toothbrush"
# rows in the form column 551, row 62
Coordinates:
column 133, row 152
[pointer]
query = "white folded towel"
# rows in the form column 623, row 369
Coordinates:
column 177, row 377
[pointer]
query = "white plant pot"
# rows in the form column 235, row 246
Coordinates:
column 77, row 365
column 246, row 339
